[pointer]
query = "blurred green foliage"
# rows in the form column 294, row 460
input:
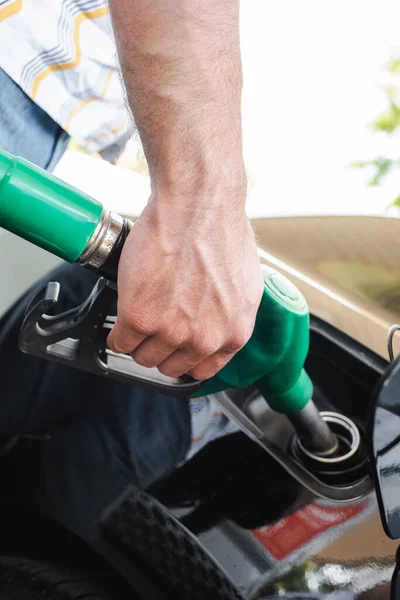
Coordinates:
column 387, row 122
column 294, row 580
column 382, row 166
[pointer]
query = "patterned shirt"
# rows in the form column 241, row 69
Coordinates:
column 62, row 54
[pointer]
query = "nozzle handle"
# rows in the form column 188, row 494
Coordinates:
column 274, row 357
column 53, row 215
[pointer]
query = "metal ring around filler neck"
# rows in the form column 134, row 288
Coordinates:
column 354, row 439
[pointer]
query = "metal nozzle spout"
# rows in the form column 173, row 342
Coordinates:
column 313, row 431
column 349, row 462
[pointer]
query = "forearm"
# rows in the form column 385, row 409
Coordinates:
column 189, row 277
column 182, row 71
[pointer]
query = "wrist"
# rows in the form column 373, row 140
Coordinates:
column 210, row 175
column 202, row 190
column 194, row 153
column 190, row 214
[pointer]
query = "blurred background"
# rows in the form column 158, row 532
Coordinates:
column 317, row 75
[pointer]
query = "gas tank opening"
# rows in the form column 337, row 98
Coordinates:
column 350, row 460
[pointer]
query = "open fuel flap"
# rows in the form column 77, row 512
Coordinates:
column 385, row 438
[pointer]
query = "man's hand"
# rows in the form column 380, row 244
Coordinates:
column 189, row 281
column 189, row 287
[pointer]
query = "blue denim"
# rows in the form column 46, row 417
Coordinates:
column 103, row 435
column 26, row 130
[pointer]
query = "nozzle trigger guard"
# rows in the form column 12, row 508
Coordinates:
column 77, row 338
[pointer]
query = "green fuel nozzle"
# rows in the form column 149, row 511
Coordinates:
column 275, row 355
column 55, row 216
column 40, row 208
column 273, row 360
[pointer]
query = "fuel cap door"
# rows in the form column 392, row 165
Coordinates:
column 385, row 434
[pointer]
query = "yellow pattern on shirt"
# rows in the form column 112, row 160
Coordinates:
column 62, row 54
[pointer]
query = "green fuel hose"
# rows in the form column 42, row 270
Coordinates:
column 40, row 208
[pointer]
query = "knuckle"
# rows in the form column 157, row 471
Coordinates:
column 172, row 337
column 196, row 374
column 142, row 325
column 201, row 373
column 117, row 346
column 142, row 360
column 205, row 347
column 170, row 371
column 210, row 367
column 237, row 341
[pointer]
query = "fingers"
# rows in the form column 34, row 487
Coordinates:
column 124, row 339
column 175, row 355
column 210, row 367
column 201, row 360
column 181, row 362
column 152, row 352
